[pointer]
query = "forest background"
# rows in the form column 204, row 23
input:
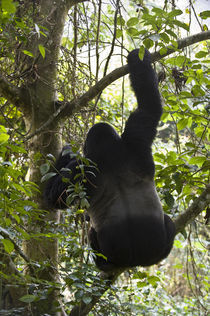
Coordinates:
column 62, row 69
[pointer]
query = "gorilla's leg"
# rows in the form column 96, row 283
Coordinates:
column 101, row 262
column 170, row 233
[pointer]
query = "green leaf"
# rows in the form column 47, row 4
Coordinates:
column 8, row 245
column 178, row 181
column 174, row 13
column 28, row 298
column 3, row 138
column 42, row 50
column 119, row 33
column 148, row 43
column 141, row 52
column 165, row 116
column 182, row 124
column 197, row 91
column 87, row 299
column 205, row 14
column 48, row 176
column 153, row 280
column 178, row 244
column 132, row 31
column 158, row 11
column 180, row 60
column 170, row 32
column 140, row 275
column 201, row 54
column 26, row 52
column 141, row 284
column 79, row 294
column 51, row 157
column 44, row 168
column 120, row 21
column 169, row 199
column 132, row 22
column 8, row 6
column 163, row 51
column 165, row 37
column 181, row 24
column 199, row 160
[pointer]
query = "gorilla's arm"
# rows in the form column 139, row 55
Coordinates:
column 55, row 189
column 75, row 171
column 140, row 129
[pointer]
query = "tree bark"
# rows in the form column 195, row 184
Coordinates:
column 199, row 205
column 41, row 92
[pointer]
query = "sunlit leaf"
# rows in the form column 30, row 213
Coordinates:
column 141, row 52
column 174, row 13
column 3, row 137
column 8, row 245
column 132, row 22
column 26, row 52
column 205, row 14
column 181, row 24
column 8, row 6
column 182, row 124
column 42, row 50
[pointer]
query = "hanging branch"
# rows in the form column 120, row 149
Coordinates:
column 66, row 109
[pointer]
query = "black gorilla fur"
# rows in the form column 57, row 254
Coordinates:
column 128, row 225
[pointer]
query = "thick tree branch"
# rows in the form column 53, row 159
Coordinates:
column 10, row 92
column 122, row 71
column 185, row 42
column 181, row 222
column 193, row 210
column 65, row 109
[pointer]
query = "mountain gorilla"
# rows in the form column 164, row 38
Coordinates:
column 128, row 225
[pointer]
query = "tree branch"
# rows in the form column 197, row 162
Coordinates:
column 83, row 309
column 6, row 235
column 77, row 104
column 199, row 204
column 10, row 92
column 66, row 109
column 193, row 210
column 184, row 42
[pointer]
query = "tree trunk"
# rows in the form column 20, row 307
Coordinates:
column 39, row 92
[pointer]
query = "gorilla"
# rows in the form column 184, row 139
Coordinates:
column 128, row 225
